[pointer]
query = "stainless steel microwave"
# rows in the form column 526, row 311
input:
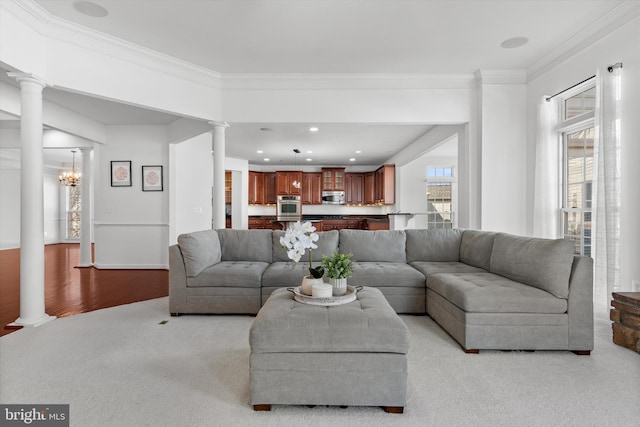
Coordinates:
column 333, row 197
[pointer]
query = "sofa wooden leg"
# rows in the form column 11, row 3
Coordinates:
column 176, row 314
column 393, row 409
column 582, row 352
column 261, row 407
column 471, row 350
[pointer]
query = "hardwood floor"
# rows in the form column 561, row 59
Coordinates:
column 70, row 290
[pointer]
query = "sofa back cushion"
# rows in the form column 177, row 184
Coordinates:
column 374, row 246
column 327, row 244
column 245, row 245
column 476, row 247
column 200, row 250
column 438, row 245
column 542, row 263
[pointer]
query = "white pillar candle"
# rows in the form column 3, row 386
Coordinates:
column 322, row 291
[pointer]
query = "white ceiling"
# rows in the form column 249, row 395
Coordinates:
column 333, row 36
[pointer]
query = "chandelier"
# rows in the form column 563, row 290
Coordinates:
column 70, row 178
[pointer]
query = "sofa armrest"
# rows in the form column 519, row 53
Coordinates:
column 580, row 304
column 177, row 281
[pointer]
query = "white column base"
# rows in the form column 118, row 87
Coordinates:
column 84, row 265
column 33, row 322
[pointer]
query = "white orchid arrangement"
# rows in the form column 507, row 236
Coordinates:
column 299, row 238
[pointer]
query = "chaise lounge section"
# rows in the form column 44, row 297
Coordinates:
column 487, row 290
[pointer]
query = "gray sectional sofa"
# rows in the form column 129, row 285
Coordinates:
column 487, row 290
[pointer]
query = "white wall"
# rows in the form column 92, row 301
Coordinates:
column 131, row 226
column 618, row 46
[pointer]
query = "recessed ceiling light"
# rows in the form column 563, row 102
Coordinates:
column 358, row 151
column 308, row 160
column 352, row 159
column 514, row 42
column 259, row 151
column 266, row 129
column 90, row 9
column 309, row 152
column 313, row 129
column 266, row 159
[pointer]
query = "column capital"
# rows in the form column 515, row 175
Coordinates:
column 30, row 78
column 216, row 124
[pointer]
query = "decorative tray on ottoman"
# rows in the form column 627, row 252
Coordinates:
column 348, row 297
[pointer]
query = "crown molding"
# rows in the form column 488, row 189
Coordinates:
column 50, row 26
column 501, row 77
column 608, row 23
column 364, row 81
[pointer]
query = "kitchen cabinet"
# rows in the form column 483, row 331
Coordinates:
column 256, row 188
column 354, row 193
column 333, row 224
column 260, row 223
column 311, row 188
column 270, row 193
column 227, row 188
column 385, row 185
column 372, row 225
column 285, row 180
column 369, row 188
column 333, row 179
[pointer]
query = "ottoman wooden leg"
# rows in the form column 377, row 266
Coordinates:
column 261, row 407
column 393, row 409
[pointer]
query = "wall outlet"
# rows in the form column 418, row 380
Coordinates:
column 635, row 285
column 197, row 210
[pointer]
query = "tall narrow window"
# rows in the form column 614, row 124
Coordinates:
column 74, row 207
column 440, row 197
column 578, row 136
column 578, row 148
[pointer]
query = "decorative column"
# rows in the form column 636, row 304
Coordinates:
column 31, row 203
column 85, row 213
column 219, row 212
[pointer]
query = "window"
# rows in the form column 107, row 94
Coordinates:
column 74, row 206
column 440, row 197
column 578, row 146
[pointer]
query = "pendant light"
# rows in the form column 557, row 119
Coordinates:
column 296, row 183
column 70, row 178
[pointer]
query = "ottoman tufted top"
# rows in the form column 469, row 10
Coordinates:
column 368, row 324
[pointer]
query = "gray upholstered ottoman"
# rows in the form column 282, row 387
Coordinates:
column 348, row 355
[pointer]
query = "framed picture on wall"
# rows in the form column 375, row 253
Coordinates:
column 151, row 178
column 121, row 173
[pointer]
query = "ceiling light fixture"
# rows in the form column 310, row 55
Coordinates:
column 296, row 183
column 313, row 129
column 90, row 9
column 72, row 178
column 514, row 42
column 352, row 159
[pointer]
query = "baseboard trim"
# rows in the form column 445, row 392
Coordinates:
column 130, row 266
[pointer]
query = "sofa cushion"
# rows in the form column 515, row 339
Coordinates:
column 200, row 249
column 327, row 243
column 245, row 245
column 543, row 263
column 239, row 274
column 476, row 247
column 429, row 268
column 491, row 293
column 433, row 245
column 372, row 246
column 386, row 274
column 282, row 274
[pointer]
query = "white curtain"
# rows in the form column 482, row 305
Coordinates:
column 546, row 193
column 606, row 186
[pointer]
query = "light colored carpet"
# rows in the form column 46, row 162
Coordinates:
column 121, row 367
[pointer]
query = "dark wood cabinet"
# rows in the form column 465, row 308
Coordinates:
column 270, row 193
column 227, row 188
column 260, row 223
column 256, row 188
column 285, row 180
column 369, row 188
column 385, row 185
column 354, row 193
column 333, row 179
column 311, row 188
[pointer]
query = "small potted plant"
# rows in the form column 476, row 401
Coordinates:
column 299, row 238
column 338, row 268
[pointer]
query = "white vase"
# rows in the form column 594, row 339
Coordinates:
column 339, row 286
column 307, row 284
